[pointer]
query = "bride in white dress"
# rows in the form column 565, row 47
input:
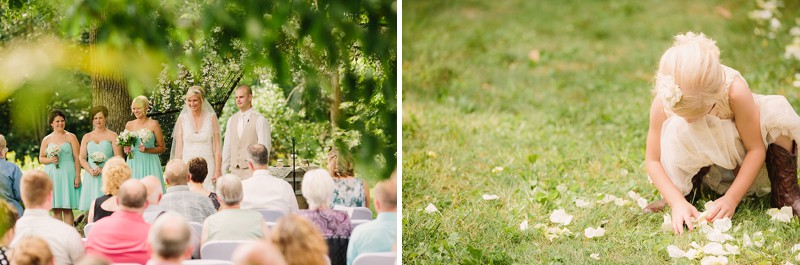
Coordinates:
column 197, row 134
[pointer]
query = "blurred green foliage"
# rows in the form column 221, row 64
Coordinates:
column 319, row 56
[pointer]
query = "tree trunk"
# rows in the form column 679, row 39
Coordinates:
column 110, row 91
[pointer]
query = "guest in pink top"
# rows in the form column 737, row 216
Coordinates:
column 122, row 237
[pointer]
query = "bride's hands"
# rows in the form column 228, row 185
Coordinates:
column 682, row 213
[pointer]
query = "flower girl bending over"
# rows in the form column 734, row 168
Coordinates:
column 708, row 128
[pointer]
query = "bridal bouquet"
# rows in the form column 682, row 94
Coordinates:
column 52, row 151
column 124, row 139
column 98, row 157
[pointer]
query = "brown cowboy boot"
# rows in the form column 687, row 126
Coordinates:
column 782, row 171
column 692, row 197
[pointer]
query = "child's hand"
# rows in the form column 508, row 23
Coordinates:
column 682, row 213
column 725, row 206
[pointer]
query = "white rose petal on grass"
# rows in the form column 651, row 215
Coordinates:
column 795, row 248
column 561, row 188
column 620, row 201
column 691, row 254
column 787, row 263
column 489, row 197
column 595, row 256
column 607, row 198
column 782, row 215
column 642, row 202
column 583, row 204
column 633, row 195
column 560, row 217
column 723, row 225
column 732, row 249
column 497, row 169
column 714, row 260
column 431, row 208
column 675, row 252
column 524, row 225
column 797, row 258
column 592, row 232
column 667, row 225
column 716, row 235
column 714, row 248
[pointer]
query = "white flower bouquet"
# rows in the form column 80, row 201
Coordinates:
column 52, row 151
column 125, row 139
column 144, row 135
column 98, row 157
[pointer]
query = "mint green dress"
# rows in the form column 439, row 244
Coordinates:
column 65, row 195
column 92, row 186
column 144, row 164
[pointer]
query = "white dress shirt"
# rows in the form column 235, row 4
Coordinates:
column 263, row 131
column 264, row 191
column 64, row 241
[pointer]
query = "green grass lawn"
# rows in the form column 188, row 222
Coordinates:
column 569, row 126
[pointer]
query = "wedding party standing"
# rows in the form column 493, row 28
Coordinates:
column 196, row 134
column 147, row 144
column 97, row 147
column 245, row 128
column 58, row 154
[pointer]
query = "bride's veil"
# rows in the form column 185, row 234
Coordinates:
column 207, row 114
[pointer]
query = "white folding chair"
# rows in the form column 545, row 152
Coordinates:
column 87, row 229
column 220, row 249
column 206, row 262
column 380, row 258
column 356, row 222
column 361, row 213
column 270, row 215
column 197, row 235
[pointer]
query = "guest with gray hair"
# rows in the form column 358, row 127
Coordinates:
column 264, row 191
column 318, row 191
column 10, row 178
column 232, row 222
column 153, row 211
column 170, row 239
column 192, row 205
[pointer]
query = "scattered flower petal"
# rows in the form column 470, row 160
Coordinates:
column 561, row 188
column 642, row 202
column 524, row 225
column 489, row 197
column 714, row 260
column 607, row 198
column 633, row 195
column 732, row 249
column 758, row 239
column 583, row 204
column 595, row 256
column 620, row 201
column 539, row 226
column 561, row 217
column 667, row 225
column 431, row 208
column 746, row 242
column 692, row 254
column 795, row 248
column 592, row 232
column 675, row 252
column 782, row 215
column 714, row 248
column 723, row 225
column 497, row 169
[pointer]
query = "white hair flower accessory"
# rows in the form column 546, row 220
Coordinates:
column 668, row 90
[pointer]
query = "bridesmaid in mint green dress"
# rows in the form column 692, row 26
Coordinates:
column 99, row 141
column 63, row 168
column 145, row 161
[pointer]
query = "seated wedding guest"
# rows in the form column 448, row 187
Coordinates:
column 318, row 191
column 122, row 237
column 8, row 217
column 380, row 234
column 32, row 250
column 192, row 205
column 349, row 191
column 198, row 169
column 94, row 260
column 264, row 191
column 170, row 239
column 153, row 185
column 257, row 253
column 10, row 176
column 115, row 171
column 37, row 195
column 232, row 222
column 300, row 241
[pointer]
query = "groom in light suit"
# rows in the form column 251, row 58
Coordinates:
column 245, row 128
